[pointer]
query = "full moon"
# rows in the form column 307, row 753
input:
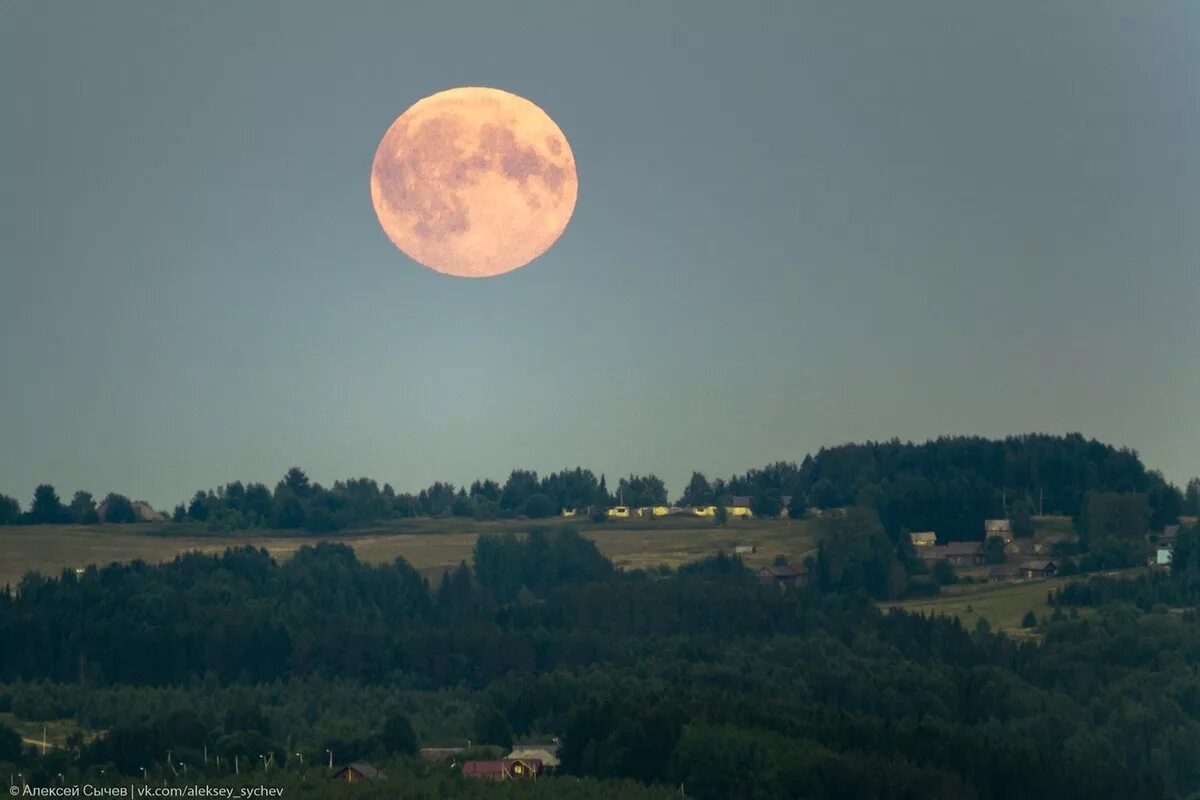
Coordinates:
column 474, row 182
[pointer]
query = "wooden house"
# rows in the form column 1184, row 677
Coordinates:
column 923, row 539
column 784, row 576
column 504, row 769
column 1039, row 568
column 964, row 554
column 545, row 753
column 1004, row 573
column 358, row 772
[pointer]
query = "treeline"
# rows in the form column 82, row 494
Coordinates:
column 948, row 485
column 48, row 509
column 700, row 676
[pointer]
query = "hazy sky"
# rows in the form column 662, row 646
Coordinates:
column 798, row 224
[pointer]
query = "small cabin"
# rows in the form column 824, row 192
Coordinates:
column 504, row 769
column 358, row 772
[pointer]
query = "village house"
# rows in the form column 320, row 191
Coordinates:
column 923, row 539
column 964, row 554
column 1021, row 547
column 618, row 512
column 1004, row 573
column 653, row 511
column 504, row 769
column 1167, row 538
column 784, row 575
column 1161, row 560
column 545, row 753
column 358, row 772
column 932, row 553
column 705, row 511
column 1045, row 545
column 998, row 527
column 739, row 506
column 1041, row 568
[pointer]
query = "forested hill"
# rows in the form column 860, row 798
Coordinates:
column 952, row 484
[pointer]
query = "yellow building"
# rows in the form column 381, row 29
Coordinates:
column 705, row 511
column 740, row 507
column 619, row 512
column 569, row 512
column 653, row 511
column 923, row 539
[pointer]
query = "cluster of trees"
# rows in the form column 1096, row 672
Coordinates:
column 298, row 503
column 48, row 508
column 702, row 677
column 948, row 485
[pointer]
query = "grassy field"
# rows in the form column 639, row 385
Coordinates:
column 56, row 732
column 431, row 546
column 1002, row 604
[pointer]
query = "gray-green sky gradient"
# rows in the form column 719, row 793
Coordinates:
column 798, row 224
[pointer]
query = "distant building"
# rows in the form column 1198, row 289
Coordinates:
column 569, row 512
column 1021, row 547
column 705, row 511
column 739, row 506
column 1041, row 568
column 358, row 772
column 964, row 554
column 1004, row 573
column 787, row 503
column 1045, row 545
column 784, row 576
column 923, row 539
column 504, row 769
column 654, row 511
column 618, row 512
column 545, row 753
column 743, row 549
column 998, row 527
column 1162, row 556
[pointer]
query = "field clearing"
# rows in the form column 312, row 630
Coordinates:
column 1003, row 605
column 56, row 732
column 432, row 546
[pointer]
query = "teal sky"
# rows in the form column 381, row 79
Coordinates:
column 798, row 224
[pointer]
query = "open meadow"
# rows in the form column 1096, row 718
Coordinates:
column 432, row 546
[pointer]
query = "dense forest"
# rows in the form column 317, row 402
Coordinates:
column 949, row 485
column 699, row 678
